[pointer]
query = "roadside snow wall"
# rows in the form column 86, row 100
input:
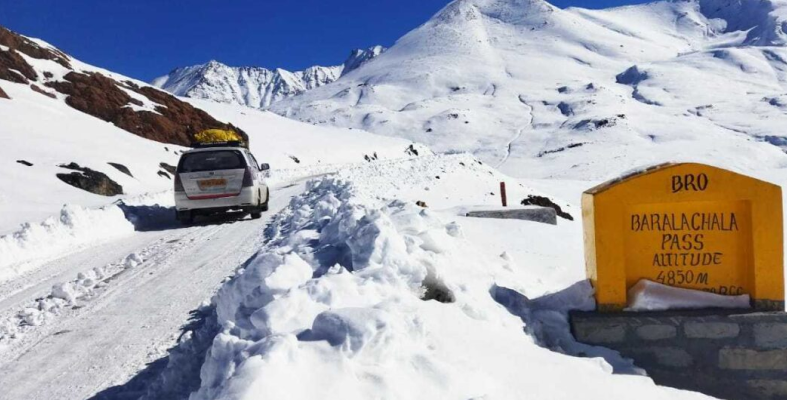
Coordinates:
column 332, row 307
column 75, row 227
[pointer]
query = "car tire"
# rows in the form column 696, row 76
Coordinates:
column 185, row 217
column 264, row 206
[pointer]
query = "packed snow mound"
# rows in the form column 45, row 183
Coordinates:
column 653, row 296
column 74, row 227
column 539, row 91
column 340, row 293
column 255, row 86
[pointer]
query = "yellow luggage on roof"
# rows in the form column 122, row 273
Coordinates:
column 218, row 135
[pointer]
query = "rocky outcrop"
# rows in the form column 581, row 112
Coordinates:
column 168, row 121
column 169, row 168
column 13, row 66
column 14, row 41
column 122, row 168
column 89, row 180
column 173, row 122
column 37, row 89
column 542, row 201
column 3, row 95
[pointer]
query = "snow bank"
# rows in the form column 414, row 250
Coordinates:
column 75, row 227
column 652, row 296
column 338, row 296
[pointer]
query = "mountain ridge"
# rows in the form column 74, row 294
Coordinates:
column 257, row 87
column 511, row 81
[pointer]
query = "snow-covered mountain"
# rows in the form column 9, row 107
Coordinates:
column 549, row 92
column 255, row 86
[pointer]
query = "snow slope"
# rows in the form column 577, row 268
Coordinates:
column 546, row 92
column 255, row 86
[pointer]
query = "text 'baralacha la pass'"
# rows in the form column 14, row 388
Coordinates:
column 687, row 263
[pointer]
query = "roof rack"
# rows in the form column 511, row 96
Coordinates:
column 231, row 143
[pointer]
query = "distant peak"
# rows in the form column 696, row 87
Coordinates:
column 508, row 11
column 214, row 63
column 359, row 57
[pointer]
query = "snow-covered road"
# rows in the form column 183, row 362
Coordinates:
column 134, row 318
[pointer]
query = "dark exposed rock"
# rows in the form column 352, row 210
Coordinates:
column 18, row 42
column 565, row 109
column 593, row 124
column 632, row 76
column 177, row 122
column 3, row 95
column 37, row 89
column 122, row 168
column 163, row 174
column 411, row 151
column 437, row 290
column 48, row 75
column 561, row 149
column 546, row 202
column 89, row 180
column 23, row 162
column 297, row 161
column 169, row 168
column 14, row 68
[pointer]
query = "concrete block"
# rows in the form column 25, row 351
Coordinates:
column 672, row 357
column 746, row 359
column 600, row 333
column 711, row 330
column 771, row 335
column 543, row 215
column 768, row 389
column 657, row 332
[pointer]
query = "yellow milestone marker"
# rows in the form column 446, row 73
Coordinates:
column 685, row 225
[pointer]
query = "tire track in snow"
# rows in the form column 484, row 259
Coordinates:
column 518, row 133
column 136, row 319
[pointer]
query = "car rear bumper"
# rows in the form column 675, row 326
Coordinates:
column 245, row 199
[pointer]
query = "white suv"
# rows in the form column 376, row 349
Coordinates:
column 218, row 178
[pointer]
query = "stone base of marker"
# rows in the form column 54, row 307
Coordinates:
column 543, row 215
column 727, row 354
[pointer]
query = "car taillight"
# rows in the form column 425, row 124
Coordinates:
column 247, row 178
column 178, row 184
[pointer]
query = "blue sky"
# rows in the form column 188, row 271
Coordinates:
column 147, row 38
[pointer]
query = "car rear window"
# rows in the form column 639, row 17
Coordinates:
column 211, row 161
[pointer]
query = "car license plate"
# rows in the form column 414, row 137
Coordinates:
column 211, row 183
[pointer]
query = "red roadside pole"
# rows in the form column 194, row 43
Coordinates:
column 503, row 194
